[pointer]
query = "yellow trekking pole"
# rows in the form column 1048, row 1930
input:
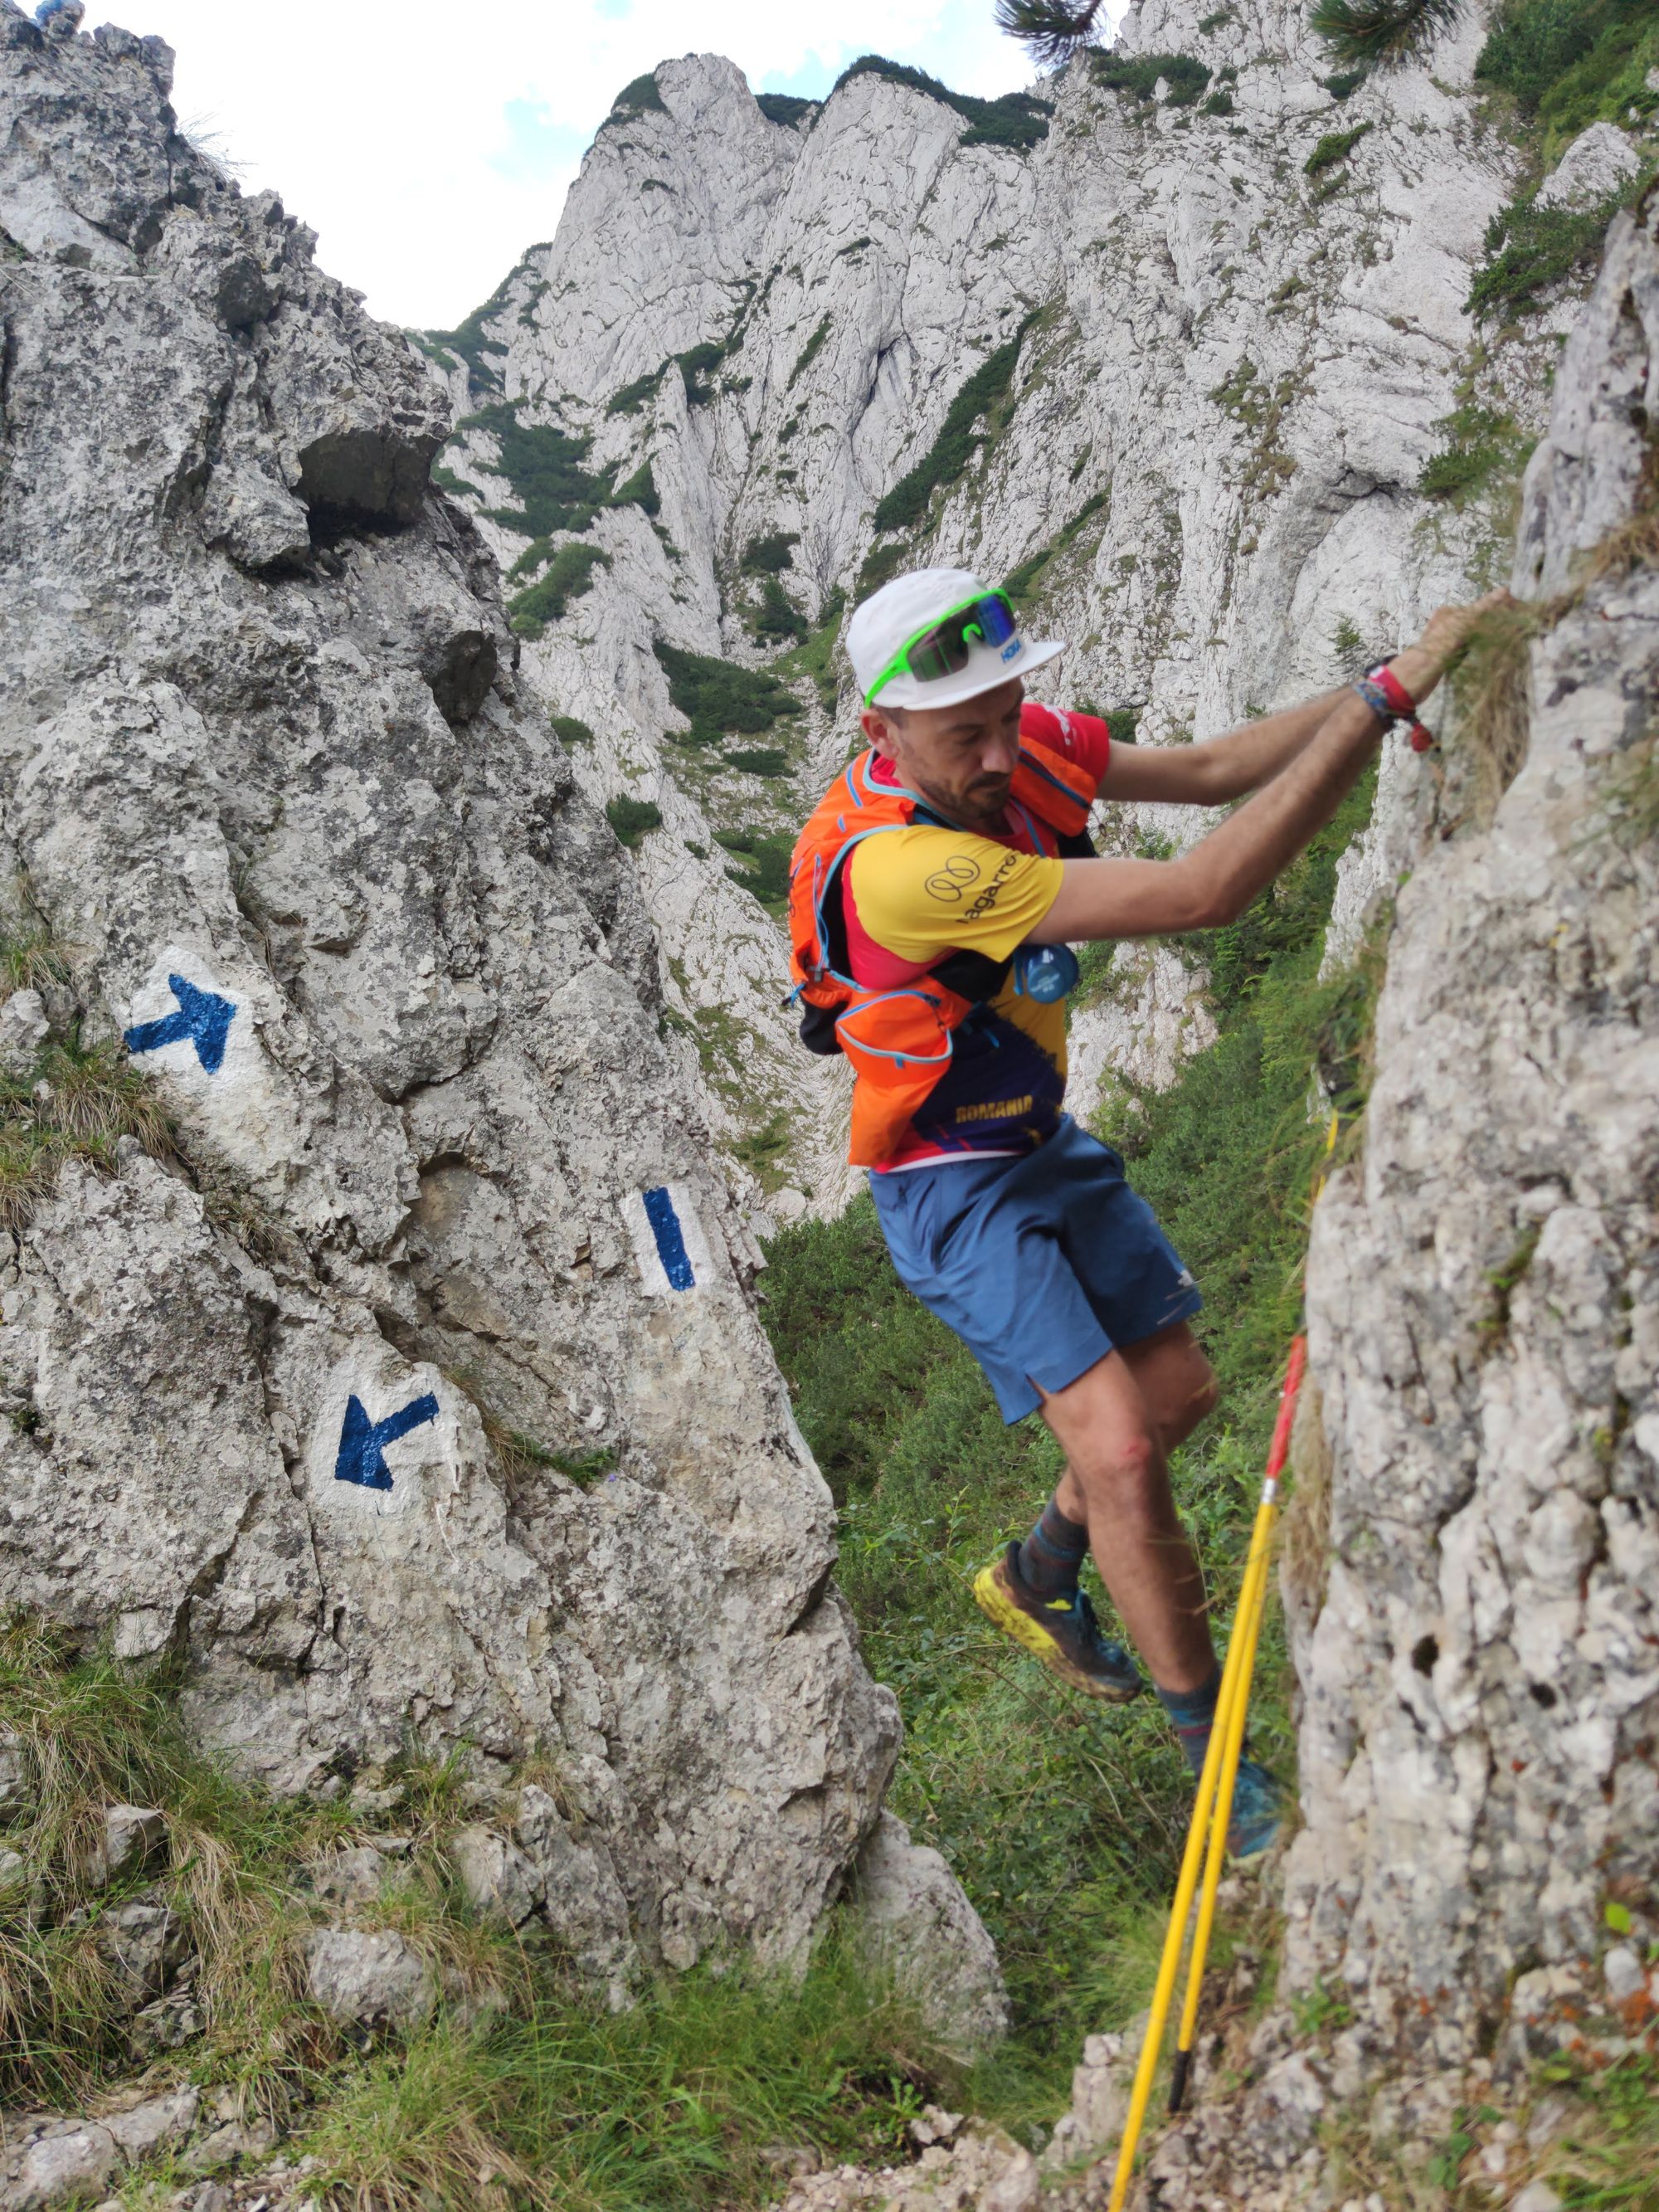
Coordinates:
column 1213, row 1805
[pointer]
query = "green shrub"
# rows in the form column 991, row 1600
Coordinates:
column 1121, row 724
column 569, row 574
column 717, row 695
column 767, row 876
column 696, row 364
column 1209, row 25
column 632, row 396
column 1530, row 248
column 853, row 245
column 1335, row 146
column 1480, row 444
column 632, row 819
column 1345, row 83
column 779, row 618
column 1138, row 75
column 637, row 98
column 771, row 556
column 484, row 356
column 957, row 442
column 545, row 468
column 571, row 730
column 1571, row 63
column 783, row 106
column 1218, row 103
column 809, row 353
column 760, row 760
column 880, row 562
column 1017, row 120
column 639, row 490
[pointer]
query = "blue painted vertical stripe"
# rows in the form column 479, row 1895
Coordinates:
column 670, row 1243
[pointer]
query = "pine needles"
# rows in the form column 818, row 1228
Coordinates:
column 1380, row 34
column 1051, row 31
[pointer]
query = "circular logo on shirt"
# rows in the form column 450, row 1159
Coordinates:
column 949, row 883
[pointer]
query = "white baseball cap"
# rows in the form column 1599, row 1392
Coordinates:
column 888, row 618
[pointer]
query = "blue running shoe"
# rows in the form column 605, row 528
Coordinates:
column 1061, row 1631
column 1257, row 1814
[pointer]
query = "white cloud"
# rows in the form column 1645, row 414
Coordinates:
column 428, row 145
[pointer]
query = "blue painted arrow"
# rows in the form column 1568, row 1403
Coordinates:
column 361, row 1458
column 203, row 1019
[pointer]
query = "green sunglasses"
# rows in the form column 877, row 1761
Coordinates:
column 941, row 647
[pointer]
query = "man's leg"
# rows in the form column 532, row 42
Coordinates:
column 1116, row 1484
column 1115, row 1424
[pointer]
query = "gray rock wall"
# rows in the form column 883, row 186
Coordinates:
column 426, row 1407
column 1482, row 1675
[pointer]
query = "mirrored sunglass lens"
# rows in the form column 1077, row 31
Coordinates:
column 993, row 618
column 941, row 653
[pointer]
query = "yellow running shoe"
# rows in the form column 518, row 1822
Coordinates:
column 1061, row 1631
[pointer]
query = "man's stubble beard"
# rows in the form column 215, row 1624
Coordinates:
column 983, row 813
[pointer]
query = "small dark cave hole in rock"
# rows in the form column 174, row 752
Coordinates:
column 1425, row 1652
column 1541, row 1694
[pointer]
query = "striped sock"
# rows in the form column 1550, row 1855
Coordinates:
column 1053, row 1553
column 1192, row 1716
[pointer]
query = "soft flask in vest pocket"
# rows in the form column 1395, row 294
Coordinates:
column 898, row 1044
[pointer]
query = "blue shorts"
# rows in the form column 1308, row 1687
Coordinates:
column 1042, row 1264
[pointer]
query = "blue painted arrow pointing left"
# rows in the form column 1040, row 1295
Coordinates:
column 361, row 1458
column 204, row 1019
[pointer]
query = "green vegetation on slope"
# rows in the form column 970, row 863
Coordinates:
column 1018, row 119
column 1138, row 75
column 957, row 440
column 1571, row 62
column 569, row 573
column 1566, row 63
column 1064, row 1820
column 718, row 697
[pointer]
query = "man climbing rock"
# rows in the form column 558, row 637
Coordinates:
column 933, row 895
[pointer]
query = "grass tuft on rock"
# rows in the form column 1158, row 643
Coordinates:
column 76, row 1103
column 521, row 2090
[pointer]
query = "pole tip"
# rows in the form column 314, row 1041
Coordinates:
column 1183, row 2059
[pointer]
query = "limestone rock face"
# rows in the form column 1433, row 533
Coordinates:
column 1229, row 376
column 1481, row 1680
column 421, row 1401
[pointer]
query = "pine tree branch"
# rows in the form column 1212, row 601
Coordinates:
column 1052, row 31
column 1380, row 34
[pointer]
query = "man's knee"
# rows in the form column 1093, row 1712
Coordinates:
column 1120, row 1468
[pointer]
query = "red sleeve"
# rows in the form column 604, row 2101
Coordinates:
column 1081, row 738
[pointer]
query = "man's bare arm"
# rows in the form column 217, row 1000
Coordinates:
column 1216, row 879
column 1221, row 769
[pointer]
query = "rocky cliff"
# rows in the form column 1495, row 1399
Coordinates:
column 376, row 1339
column 1169, row 345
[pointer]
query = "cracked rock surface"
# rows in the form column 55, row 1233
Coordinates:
column 1481, row 1678
column 393, row 1412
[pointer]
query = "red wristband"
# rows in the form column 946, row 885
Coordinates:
column 1393, row 690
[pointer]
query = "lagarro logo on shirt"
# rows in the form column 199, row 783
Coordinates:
column 950, row 883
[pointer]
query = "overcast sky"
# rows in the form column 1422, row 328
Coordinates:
column 428, row 145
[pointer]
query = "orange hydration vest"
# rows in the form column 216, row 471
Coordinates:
column 899, row 1041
